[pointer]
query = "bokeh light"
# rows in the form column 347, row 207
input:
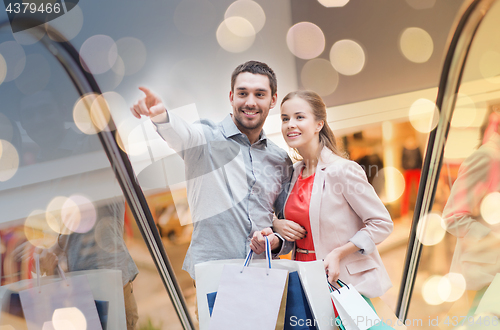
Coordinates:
column 98, row 54
column 15, row 59
column 100, row 112
column 132, row 53
column 464, row 113
column 81, row 114
column 116, row 74
column 30, row 36
column 394, row 183
column 451, row 287
column 68, row 25
column 489, row 66
column 430, row 290
column 54, row 211
column 6, row 129
column 249, row 10
column 239, row 41
column 3, row 69
column 430, row 229
column 333, row 3
column 490, row 208
column 305, row 40
column 38, row 231
column 194, row 17
column 78, row 214
column 69, row 318
column 416, row 45
column 347, row 57
column 320, row 76
column 424, row 115
column 421, row 4
column 9, row 160
column 35, row 76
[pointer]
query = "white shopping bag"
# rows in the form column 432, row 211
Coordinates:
column 312, row 277
column 67, row 304
column 105, row 284
column 244, row 293
column 353, row 310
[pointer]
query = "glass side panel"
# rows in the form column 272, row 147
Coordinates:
column 457, row 281
column 61, row 204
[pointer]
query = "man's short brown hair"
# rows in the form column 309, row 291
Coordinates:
column 256, row 67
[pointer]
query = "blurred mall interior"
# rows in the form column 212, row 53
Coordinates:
column 411, row 88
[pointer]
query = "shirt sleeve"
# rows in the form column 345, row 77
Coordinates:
column 179, row 134
column 461, row 214
column 367, row 205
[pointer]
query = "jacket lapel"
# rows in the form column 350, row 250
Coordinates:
column 315, row 203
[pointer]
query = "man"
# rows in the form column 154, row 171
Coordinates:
column 235, row 175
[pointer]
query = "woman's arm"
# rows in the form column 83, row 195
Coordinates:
column 362, row 198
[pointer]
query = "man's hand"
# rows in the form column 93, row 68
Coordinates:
column 258, row 243
column 289, row 230
column 150, row 105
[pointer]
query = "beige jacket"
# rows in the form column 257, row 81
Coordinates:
column 344, row 207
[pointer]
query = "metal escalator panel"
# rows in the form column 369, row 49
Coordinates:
column 454, row 252
column 65, row 186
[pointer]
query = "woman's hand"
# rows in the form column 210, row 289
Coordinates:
column 332, row 266
column 289, row 230
column 258, row 242
column 332, row 260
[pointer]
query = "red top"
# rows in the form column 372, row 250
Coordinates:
column 297, row 210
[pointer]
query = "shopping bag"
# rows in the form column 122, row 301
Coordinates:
column 248, row 291
column 64, row 304
column 312, row 277
column 60, row 305
column 298, row 314
column 106, row 285
column 354, row 312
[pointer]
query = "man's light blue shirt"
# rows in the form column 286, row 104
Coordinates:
column 233, row 187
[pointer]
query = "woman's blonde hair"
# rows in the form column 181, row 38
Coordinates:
column 326, row 136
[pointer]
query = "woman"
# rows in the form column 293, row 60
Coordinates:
column 466, row 215
column 332, row 212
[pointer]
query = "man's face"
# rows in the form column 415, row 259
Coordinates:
column 251, row 99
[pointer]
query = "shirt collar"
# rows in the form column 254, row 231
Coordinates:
column 230, row 129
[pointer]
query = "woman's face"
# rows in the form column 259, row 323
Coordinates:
column 298, row 125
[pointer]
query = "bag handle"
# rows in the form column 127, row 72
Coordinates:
column 36, row 255
column 339, row 283
column 268, row 257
